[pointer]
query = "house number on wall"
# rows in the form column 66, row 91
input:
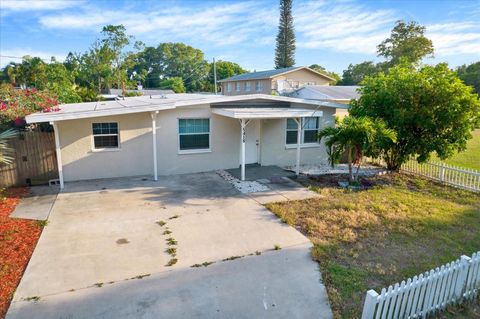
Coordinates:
column 244, row 134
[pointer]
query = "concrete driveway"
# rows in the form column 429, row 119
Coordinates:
column 103, row 255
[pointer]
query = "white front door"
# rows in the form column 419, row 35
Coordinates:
column 252, row 142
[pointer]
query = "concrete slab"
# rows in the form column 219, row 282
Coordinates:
column 37, row 204
column 106, row 231
column 277, row 284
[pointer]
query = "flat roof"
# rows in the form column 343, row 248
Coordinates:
column 141, row 104
column 265, row 113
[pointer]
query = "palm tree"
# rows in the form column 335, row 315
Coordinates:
column 6, row 152
column 356, row 137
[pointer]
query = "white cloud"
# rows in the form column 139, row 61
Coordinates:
column 342, row 27
column 455, row 38
column 15, row 55
column 37, row 5
column 224, row 24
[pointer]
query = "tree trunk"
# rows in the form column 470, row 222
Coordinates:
column 350, row 169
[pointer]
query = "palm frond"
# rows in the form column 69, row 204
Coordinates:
column 6, row 152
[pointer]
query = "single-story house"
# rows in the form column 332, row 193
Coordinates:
column 278, row 81
column 337, row 94
column 185, row 133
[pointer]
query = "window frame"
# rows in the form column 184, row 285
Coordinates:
column 105, row 149
column 259, row 87
column 229, row 87
column 198, row 150
column 302, row 144
column 248, row 86
column 238, row 87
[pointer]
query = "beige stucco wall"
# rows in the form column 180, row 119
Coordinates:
column 224, row 142
column 133, row 158
column 275, row 152
column 303, row 76
column 267, row 87
column 135, row 155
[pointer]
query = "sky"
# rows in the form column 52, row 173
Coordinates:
column 330, row 33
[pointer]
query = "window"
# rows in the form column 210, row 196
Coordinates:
column 229, row 87
column 310, row 127
column 105, row 136
column 237, row 86
column 258, row 86
column 248, row 86
column 194, row 134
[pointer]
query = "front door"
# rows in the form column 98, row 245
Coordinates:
column 252, row 142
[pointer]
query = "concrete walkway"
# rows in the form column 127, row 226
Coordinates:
column 37, row 204
column 101, row 234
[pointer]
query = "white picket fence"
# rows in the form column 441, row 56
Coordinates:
column 455, row 176
column 428, row 293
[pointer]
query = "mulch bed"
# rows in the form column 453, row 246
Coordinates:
column 18, row 238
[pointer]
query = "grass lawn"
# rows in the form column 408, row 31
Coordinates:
column 471, row 157
column 18, row 238
column 399, row 228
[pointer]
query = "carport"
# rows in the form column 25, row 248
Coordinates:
column 247, row 114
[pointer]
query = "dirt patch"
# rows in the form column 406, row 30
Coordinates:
column 18, row 238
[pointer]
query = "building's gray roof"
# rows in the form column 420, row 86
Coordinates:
column 259, row 75
column 334, row 92
column 268, row 74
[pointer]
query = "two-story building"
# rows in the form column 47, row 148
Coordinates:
column 278, row 81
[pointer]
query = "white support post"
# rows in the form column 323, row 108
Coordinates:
column 243, row 125
column 299, row 138
column 154, row 141
column 59, row 154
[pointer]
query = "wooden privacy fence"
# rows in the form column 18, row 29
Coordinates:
column 428, row 293
column 451, row 175
column 35, row 160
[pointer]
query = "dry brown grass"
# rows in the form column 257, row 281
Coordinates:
column 401, row 227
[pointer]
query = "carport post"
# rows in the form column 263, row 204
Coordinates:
column 299, row 137
column 59, row 153
column 154, row 140
column 243, row 125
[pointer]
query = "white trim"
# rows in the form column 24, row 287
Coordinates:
column 266, row 113
column 105, row 149
column 199, row 151
column 195, row 151
column 302, row 128
column 308, row 145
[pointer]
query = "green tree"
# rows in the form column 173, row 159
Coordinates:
column 225, row 69
column 356, row 137
column 170, row 60
column 355, row 73
column 430, row 109
column 285, row 48
column 175, row 83
column 470, row 75
column 322, row 70
column 407, row 41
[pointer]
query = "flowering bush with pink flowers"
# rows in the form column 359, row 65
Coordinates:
column 15, row 104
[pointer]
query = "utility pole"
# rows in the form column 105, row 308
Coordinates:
column 215, row 75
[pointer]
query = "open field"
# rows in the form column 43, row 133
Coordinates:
column 471, row 157
column 399, row 228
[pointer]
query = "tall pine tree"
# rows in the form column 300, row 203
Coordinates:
column 285, row 49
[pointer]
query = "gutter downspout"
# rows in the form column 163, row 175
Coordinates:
column 58, row 151
column 154, row 141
